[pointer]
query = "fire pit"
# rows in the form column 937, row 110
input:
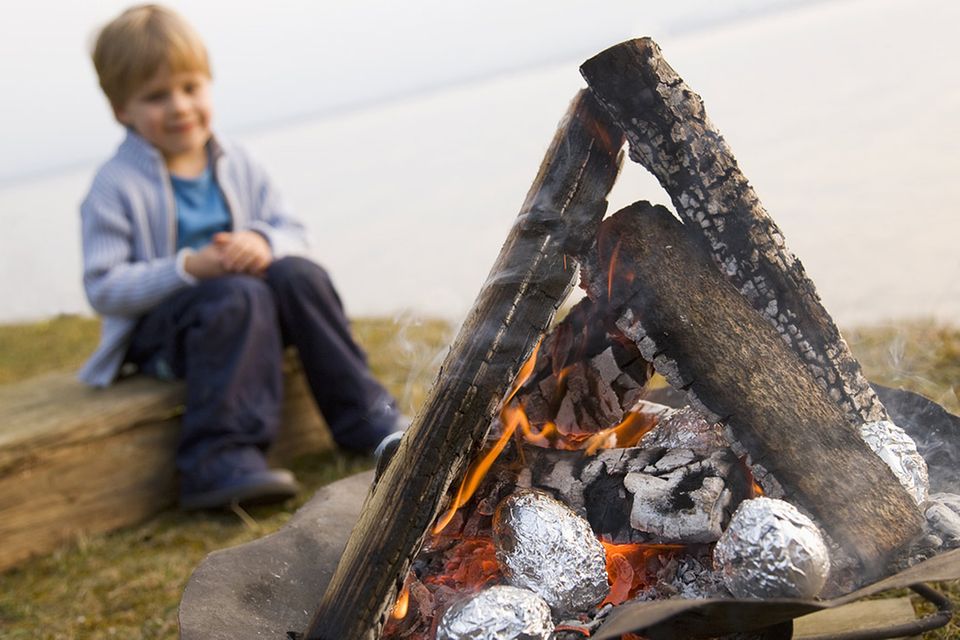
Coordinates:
column 769, row 469
column 269, row 587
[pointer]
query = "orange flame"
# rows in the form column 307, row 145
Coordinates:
column 402, row 604
column 540, row 438
column 511, row 416
column 613, row 267
column 478, row 470
column 755, row 489
column 526, row 370
column 625, row 434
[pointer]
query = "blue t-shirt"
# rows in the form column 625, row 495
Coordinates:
column 201, row 209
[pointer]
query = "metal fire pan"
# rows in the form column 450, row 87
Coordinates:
column 711, row 618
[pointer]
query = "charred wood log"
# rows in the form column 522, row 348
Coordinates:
column 587, row 375
column 669, row 134
column 703, row 336
column 644, row 495
column 527, row 283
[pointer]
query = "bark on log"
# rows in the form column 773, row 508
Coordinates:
column 701, row 334
column 669, row 134
column 528, row 281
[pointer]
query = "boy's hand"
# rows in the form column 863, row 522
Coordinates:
column 243, row 252
column 205, row 263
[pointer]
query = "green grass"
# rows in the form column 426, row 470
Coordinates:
column 922, row 356
column 63, row 342
column 128, row 584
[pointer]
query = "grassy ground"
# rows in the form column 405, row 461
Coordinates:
column 920, row 356
column 923, row 357
column 128, row 584
column 60, row 343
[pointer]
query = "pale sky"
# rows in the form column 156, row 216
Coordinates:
column 407, row 137
column 279, row 60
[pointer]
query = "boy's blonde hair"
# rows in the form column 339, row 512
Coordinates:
column 141, row 41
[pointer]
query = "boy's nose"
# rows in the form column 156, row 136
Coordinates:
column 179, row 101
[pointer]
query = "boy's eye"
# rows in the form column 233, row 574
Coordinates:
column 189, row 87
column 155, row 96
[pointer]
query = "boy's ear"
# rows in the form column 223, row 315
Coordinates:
column 120, row 114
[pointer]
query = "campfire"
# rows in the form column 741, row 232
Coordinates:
column 591, row 493
column 694, row 428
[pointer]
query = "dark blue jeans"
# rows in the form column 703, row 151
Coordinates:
column 225, row 337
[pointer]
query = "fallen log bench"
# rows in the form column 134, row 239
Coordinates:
column 76, row 460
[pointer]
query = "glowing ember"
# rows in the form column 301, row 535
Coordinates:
column 621, row 576
column 470, row 565
column 449, row 570
column 627, row 568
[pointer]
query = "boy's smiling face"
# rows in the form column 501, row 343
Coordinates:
column 172, row 112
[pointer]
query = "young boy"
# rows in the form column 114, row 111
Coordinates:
column 193, row 260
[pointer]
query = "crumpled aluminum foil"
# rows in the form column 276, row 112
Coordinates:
column 501, row 612
column 771, row 550
column 542, row 545
column 899, row 452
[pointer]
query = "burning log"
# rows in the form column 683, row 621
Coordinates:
column 703, row 336
column 587, row 375
column 528, row 281
column 670, row 134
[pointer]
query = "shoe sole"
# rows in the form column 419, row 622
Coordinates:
column 260, row 493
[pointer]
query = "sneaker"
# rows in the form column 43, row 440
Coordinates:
column 388, row 446
column 256, row 487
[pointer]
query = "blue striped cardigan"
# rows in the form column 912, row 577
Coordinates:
column 129, row 227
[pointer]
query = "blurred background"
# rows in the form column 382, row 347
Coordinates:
column 407, row 134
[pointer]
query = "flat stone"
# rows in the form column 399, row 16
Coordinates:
column 270, row 586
